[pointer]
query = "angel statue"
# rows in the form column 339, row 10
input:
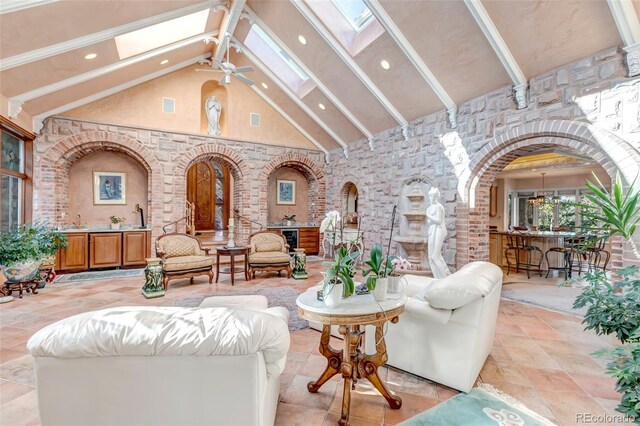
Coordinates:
column 213, row 110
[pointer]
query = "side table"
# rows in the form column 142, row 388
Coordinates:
column 352, row 363
column 232, row 253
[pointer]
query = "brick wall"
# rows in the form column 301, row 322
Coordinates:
column 166, row 156
column 588, row 107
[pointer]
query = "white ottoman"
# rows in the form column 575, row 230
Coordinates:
column 249, row 302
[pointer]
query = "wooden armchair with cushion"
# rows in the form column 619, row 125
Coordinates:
column 268, row 251
column 183, row 257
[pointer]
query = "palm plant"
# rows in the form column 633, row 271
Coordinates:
column 613, row 305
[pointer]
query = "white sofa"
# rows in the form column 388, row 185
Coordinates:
column 447, row 329
column 162, row 365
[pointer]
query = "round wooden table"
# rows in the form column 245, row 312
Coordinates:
column 232, row 253
column 351, row 316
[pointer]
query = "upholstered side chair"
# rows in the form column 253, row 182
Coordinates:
column 183, row 257
column 268, row 251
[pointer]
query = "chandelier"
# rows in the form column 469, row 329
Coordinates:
column 541, row 199
column 542, row 196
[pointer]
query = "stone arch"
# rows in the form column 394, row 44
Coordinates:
column 609, row 151
column 310, row 169
column 53, row 200
column 238, row 168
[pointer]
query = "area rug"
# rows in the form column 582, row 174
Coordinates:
column 98, row 275
column 546, row 296
column 483, row 406
column 278, row 296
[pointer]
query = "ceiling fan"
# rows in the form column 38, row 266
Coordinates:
column 227, row 68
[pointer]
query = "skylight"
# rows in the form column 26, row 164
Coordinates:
column 161, row 34
column 355, row 11
column 278, row 61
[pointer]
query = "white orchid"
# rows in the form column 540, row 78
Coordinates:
column 330, row 221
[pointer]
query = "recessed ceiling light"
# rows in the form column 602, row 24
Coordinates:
column 164, row 61
column 322, row 107
column 264, row 85
column 302, row 40
column 91, row 56
column 385, row 64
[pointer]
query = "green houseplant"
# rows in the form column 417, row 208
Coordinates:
column 289, row 219
column 613, row 304
column 23, row 248
column 339, row 276
column 377, row 266
column 116, row 221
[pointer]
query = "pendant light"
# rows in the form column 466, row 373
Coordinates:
column 541, row 197
column 556, row 199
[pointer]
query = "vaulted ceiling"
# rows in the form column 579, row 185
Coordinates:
column 440, row 53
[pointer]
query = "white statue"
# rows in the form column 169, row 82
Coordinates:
column 436, row 235
column 213, row 109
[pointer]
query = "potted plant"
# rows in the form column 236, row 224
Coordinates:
column 377, row 272
column 613, row 304
column 289, row 219
column 23, row 248
column 338, row 281
column 116, row 221
column 397, row 264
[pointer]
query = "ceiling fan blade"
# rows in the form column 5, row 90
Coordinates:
column 244, row 79
column 207, row 70
column 244, row 69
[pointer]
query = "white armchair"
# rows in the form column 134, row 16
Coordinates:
column 161, row 365
column 447, row 329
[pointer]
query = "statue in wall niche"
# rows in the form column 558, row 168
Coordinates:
column 436, row 234
column 213, row 110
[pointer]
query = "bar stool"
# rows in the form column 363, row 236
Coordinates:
column 576, row 250
column 520, row 243
column 596, row 252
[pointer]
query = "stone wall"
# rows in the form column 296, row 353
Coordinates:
column 588, row 107
column 166, row 156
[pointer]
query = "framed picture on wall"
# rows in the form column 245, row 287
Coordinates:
column 109, row 188
column 286, row 192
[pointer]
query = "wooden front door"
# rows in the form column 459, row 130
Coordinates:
column 208, row 187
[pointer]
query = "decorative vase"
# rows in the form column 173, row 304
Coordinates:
column 22, row 271
column 115, row 226
column 289, row 223
column 153, row 286
column 397, row 287
column 299, row 265
column 332, row 294
column 380, row 292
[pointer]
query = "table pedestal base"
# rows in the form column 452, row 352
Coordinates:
column 354, row 365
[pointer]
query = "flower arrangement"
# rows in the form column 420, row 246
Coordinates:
column 400, row 264
column 115, row 219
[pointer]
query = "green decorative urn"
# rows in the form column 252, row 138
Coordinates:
column 153, row 279
column 299, row 265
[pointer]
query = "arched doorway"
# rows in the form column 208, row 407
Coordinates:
column 574, row 138
column 350, row 203
column 209, row 189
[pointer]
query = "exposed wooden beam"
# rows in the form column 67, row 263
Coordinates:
column 629, row 27
column 87, row 40
column 351, row 63
column 291, row 121
column 229, row 24
column 265, row 69
column 392, row 29
column 8, row 6
column 16, row 102
column 255, row 20
column 39, row 119
column 509, row 63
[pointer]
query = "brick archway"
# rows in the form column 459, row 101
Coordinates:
column 51, row 197
column 609, row 151
column 311, row 170
column 238, row 168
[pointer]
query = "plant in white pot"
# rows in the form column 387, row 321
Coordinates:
column 23, row 248
column 377, row 272
column 289, row 219
column 116, row 221
column 338, row 281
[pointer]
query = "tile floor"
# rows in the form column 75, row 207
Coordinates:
column 539, row 357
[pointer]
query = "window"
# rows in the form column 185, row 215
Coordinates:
column 15, row 182
column 161, row 34
column 548, row 216
column 355, row 11
column 278, row 61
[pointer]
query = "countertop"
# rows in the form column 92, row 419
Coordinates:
column 541, row 234
column 102, row 229
column 294, row 225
